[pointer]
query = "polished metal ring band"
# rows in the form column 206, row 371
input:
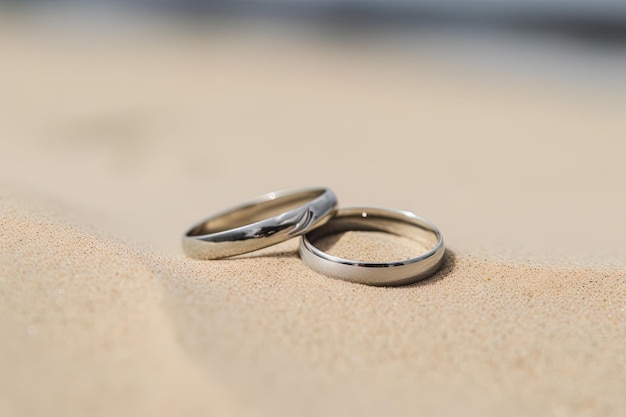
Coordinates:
column 264, row 221
column 398, row 222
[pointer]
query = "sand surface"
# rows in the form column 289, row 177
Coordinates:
column 113, row 144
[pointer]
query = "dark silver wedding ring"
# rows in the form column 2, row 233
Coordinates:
column 398, row 222
column 264, row 221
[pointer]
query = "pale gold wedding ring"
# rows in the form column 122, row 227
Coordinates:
column 398, row 222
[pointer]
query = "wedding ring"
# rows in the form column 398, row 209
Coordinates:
column 259, row 223
column 397, row 222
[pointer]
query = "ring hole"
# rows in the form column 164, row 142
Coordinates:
column 255, row 212
column 373, row 246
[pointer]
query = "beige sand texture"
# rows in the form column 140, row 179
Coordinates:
column 113, row 144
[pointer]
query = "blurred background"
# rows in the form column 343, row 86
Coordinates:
column 502, row 121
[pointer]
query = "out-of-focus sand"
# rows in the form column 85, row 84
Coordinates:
column 113, row 145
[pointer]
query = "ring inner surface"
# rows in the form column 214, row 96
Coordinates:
column 253, row 213
column 373, row 238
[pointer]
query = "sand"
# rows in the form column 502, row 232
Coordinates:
column 114, row 144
